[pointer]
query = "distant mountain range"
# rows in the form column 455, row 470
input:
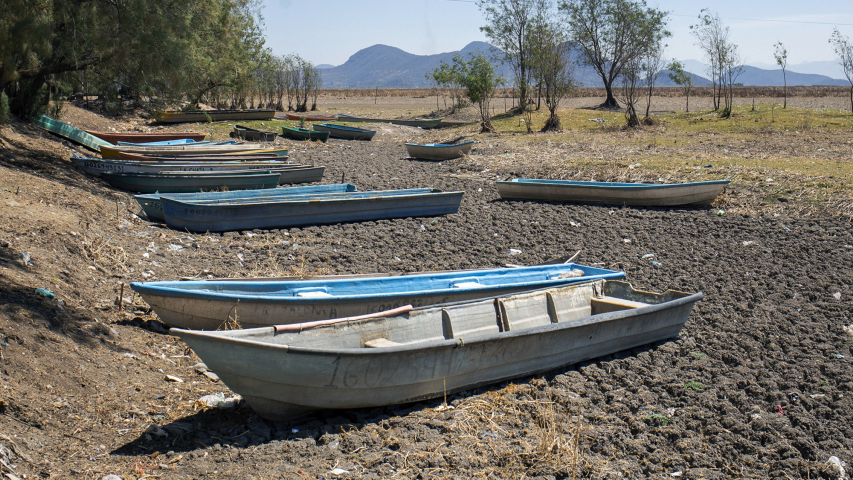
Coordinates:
column 390, row 67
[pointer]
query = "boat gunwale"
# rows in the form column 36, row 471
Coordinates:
column 203, row 294
column 608, row 185
column 295, row 199
column 227, row 337
column 439, row 145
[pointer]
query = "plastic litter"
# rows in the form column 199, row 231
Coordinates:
column 837, row 295
column 720, row 213
column 172, row 246
column 155, row 430
column 173, row 378
column 339, row 471
column 839, row 466
column 45, row 293
column 656, row 263
column 514, row 251
column 648, row 255
column 218, row 400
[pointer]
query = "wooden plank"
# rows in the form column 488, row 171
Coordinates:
column 613, row 304
column 381, row 342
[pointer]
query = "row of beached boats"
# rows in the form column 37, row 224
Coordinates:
column 291, row 346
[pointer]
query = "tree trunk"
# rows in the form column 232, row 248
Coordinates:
column 785, row 91
column 552, row 124
column 610, row 102
column 688, row 103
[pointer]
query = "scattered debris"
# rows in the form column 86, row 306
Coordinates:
column 514, row 251
column 45, row 293
column 219, row 400
column 172, row 378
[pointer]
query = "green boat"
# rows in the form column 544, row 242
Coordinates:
column 252, row 134
column 295, row 133
column 179, row 183
column 71, row 133
column 425, row 123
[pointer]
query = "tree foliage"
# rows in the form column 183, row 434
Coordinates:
column 152, row 49
column 445, row 77
column 611, row 34
column 552, row 64
column 478, row 77
column 682, row 79
column 725, row 63
column 844, row 49
column 509, row 27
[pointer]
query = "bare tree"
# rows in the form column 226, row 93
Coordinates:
column 682, row 79
column 722, row 55
column 630, row 91
column 652, row 67
column 612, row 33
column 844, row 49
column 780, row 53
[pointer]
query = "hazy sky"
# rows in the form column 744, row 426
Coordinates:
column 329, row 31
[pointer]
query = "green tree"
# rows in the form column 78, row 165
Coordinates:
column 612, row 33
column 553, row 66
column 780, row 53
column 477, row 76
column 446, row 77
column 508, row 29
column 682, row 79
column 844, row 49
column 725, row 63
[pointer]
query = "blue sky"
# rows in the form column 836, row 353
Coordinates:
column 328, row 32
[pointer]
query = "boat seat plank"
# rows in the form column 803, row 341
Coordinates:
column 525, row 311
column 381, row 342
column 569, row 304
column 613, row 304
column 471, row 321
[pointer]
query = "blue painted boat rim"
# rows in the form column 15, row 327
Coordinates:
column 611, row 185
column 312, row 198
column 440, row 145
column 348, row 187
column 379, row 288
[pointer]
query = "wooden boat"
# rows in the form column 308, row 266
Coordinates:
column 407, row 355
column 206, row 305
column 303, row 134
column 276, row 155
column 288, row 174
column 228, row 215
column 94, row 166
column 113, row 151
column 252, row 134
column 310, row 118
column 438, row 151
column 175, row 183
column 425, row 123
column 347, row 133
column 213, row 115
column 636, row 194
column 153, row 207
column 140, row 137
column 71, row 133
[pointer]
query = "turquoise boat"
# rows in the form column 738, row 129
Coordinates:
column 153, row 206
column 346, row 133
column 295, row 133
column 206, row 305
column 301, row 210
column 71, row 133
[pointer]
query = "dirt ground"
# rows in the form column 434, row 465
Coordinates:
column 757, row 385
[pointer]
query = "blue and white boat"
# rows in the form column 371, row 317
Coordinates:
column 294, row 211
column 179, row 141
column 438, row 151
column 208, row 305
column 153, row 207
column 347, row 133
column 634, row 194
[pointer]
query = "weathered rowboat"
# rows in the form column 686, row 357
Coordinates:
column 113, row 151
column 140, row 137
column 253, row 134
column 295, row 133
column 176, row 183
column 276, row 155
column 310, row 118
column 227, row 215
column 206, row 305
column 348, row 133
column 71, row 133
column 636, row 194
column 288, row 174
column 153, row 207
column 213, row 115
column 421, row 122
column 94, row 166
column 284, row 372
column 438, row 151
